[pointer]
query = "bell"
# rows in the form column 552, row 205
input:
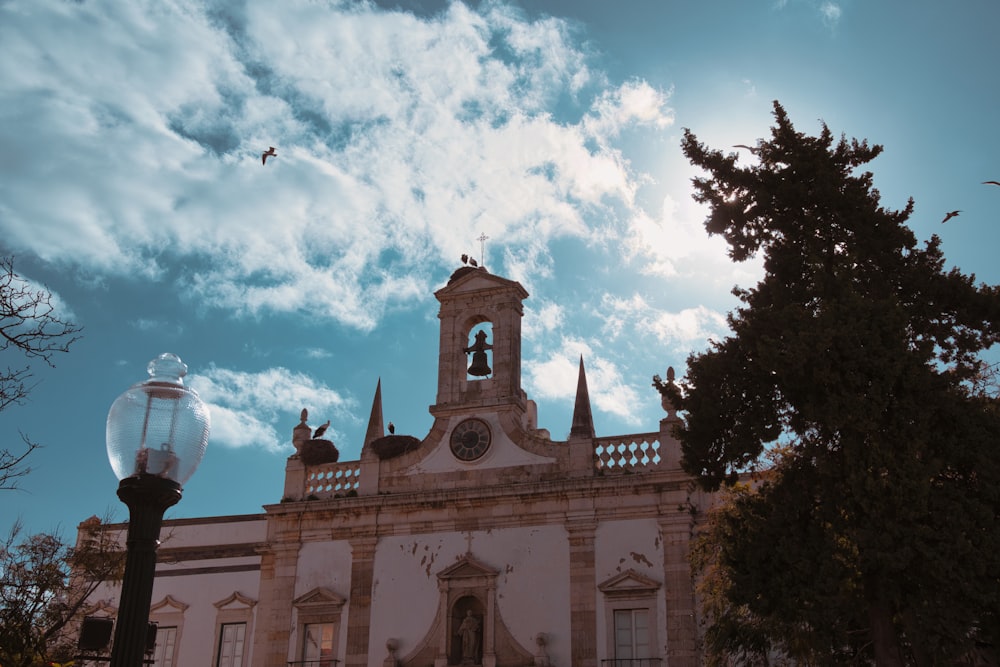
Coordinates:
column 480, row 367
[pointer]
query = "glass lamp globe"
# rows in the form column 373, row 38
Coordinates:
column 158, row 427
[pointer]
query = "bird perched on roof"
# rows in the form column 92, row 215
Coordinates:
column 321, row 429
column 949, row 216
column 991, row 182
column 392, row 428
column 465, row 258
column 473, row 262
column 266, row 154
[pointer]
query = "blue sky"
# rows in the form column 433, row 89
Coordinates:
column 131, row 186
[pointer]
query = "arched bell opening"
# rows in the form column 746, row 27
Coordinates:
column 467, row 620
column 479, row 351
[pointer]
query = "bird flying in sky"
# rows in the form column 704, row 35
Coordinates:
column 266, row 154
column 949, row 216
column 991, row 182
column 321, row 429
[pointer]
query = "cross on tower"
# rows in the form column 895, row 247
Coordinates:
column 468, row 542
column 482, row 248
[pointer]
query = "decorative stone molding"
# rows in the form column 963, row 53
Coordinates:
column 468, row 587
column 318, row 605
column 631, row 590
column 629, row 584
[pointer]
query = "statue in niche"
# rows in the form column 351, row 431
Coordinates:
column 469, row 632
column 480, row 366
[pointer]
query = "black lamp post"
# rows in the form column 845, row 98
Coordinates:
column 157, row 434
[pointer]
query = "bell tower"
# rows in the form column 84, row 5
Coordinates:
column 479, row 358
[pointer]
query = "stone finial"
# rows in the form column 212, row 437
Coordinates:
column 668, row 392
column 541, row 657
column 302, row 432
column 391, row 645
column 375, row 420
column 583, row 418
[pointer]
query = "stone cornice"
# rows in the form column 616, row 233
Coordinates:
column 606, row 497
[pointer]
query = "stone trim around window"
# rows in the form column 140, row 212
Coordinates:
column 630, row 590
column 169, row 613
column 237, row 608
column 320, row 605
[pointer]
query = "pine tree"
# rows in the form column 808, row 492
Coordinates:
column 853, row 364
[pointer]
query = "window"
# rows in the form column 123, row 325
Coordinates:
column 630, row 608
column 231, row 641
column 632, row 634
column 233, row 625
column 168, row 615
column 166, row 641
column 318, row 622
column 317, row 645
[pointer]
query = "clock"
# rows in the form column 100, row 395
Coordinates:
column 470, row 439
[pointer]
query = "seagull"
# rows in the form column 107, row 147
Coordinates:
column 749, row 148
column 949, row 216
column 392, row 428
column 266, row 154
column 473, row 262
column 991, row 182
column 321, row 429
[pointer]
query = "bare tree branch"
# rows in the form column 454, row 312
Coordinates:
column 13, row 466
column 30, row 326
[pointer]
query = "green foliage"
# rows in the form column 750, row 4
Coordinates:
column 873, row 535
column 44, row 585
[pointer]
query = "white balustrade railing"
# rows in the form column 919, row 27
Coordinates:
column 331, row 479
column 633, row 452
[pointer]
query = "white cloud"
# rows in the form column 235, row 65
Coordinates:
column 247, row 408
column 556, row 378
column 690, row 328
column 541, row 317
column 830, row 11
column 132, row 134
column 634, row 102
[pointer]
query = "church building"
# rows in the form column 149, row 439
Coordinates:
column 486, row 542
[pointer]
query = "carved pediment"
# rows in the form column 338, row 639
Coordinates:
column 235, row 601
column 468, row 279
column 319, row 598
column 629, row 582
column 467, row 567
column 168, row 605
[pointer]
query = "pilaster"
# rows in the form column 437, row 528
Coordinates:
column 681, row 626
column 278, row 571
column 582, row 590
column 670, row 446
column 360, row 602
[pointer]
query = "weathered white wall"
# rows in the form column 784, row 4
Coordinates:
column 322, row 565
column 201, row 592
column 628, row 545
column 533, row 580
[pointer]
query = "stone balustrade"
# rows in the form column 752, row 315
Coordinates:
column 328, row 480
column 631, row 453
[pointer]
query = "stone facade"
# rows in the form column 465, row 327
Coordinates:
column 562, row 553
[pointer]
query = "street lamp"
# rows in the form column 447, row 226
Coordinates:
column 157, row 434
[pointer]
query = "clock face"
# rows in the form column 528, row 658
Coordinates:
column 470, row 439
